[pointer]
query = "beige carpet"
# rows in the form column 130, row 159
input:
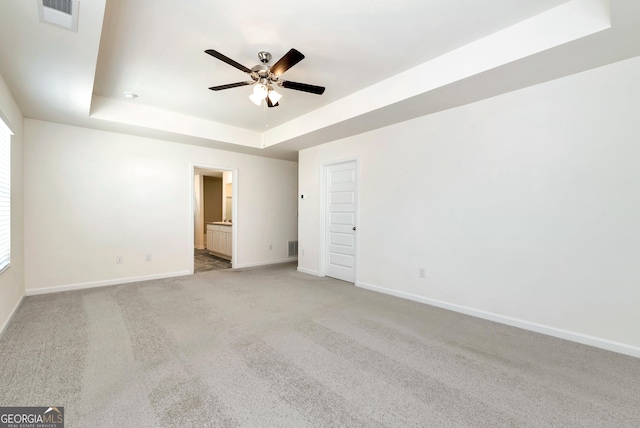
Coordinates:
column 271, row 347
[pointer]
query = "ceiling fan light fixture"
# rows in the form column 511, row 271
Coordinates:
column 264, row 76
column 274, row 97
column 256, row 99
column 260, row 90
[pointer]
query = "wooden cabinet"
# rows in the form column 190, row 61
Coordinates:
column 219, row 240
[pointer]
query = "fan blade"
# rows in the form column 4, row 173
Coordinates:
column 270, row 104
column 290, row 59
column 228, row 60
column 319, row 90
column 230, row 85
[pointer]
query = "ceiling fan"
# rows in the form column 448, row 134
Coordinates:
column 265, row 77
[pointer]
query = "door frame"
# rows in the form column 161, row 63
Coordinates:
column 234, row 208
column 324, row 188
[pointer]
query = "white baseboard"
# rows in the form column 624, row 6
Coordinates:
column 80, row 286
column 308, row 271
column 13, row 313
column 265, row 263
column 620, row 348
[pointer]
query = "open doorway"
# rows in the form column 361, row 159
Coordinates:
column 213, row 218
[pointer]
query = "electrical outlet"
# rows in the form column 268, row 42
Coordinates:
column 270, row 247
column 119, row 260
column 148, row 257
column 422, row 273
column 302, row 251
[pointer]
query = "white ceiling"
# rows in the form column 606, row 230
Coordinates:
column 381, row 62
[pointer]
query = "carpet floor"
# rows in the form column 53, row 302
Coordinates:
column 271, row 347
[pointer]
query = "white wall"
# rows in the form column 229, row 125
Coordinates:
column 523, row 208
column 94, row 195
column 199, row 238
column 12, row 279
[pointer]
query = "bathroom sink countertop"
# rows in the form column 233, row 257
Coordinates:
column 219, row 223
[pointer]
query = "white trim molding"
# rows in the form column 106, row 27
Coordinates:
column 95, row 284
column 308, row 271
column 10, row 318
column 608, row 345
column 265, row 263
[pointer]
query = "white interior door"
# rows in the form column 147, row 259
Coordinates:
column 341, row 207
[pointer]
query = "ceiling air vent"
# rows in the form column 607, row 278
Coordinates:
column 63, row 13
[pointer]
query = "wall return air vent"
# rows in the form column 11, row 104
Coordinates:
column 293, row 248
column 62, row 13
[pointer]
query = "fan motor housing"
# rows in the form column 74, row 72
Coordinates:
column 262, row 70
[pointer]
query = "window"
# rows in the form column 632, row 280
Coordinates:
column 5, row 196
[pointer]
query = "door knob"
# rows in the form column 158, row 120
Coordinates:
column 354, row 228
